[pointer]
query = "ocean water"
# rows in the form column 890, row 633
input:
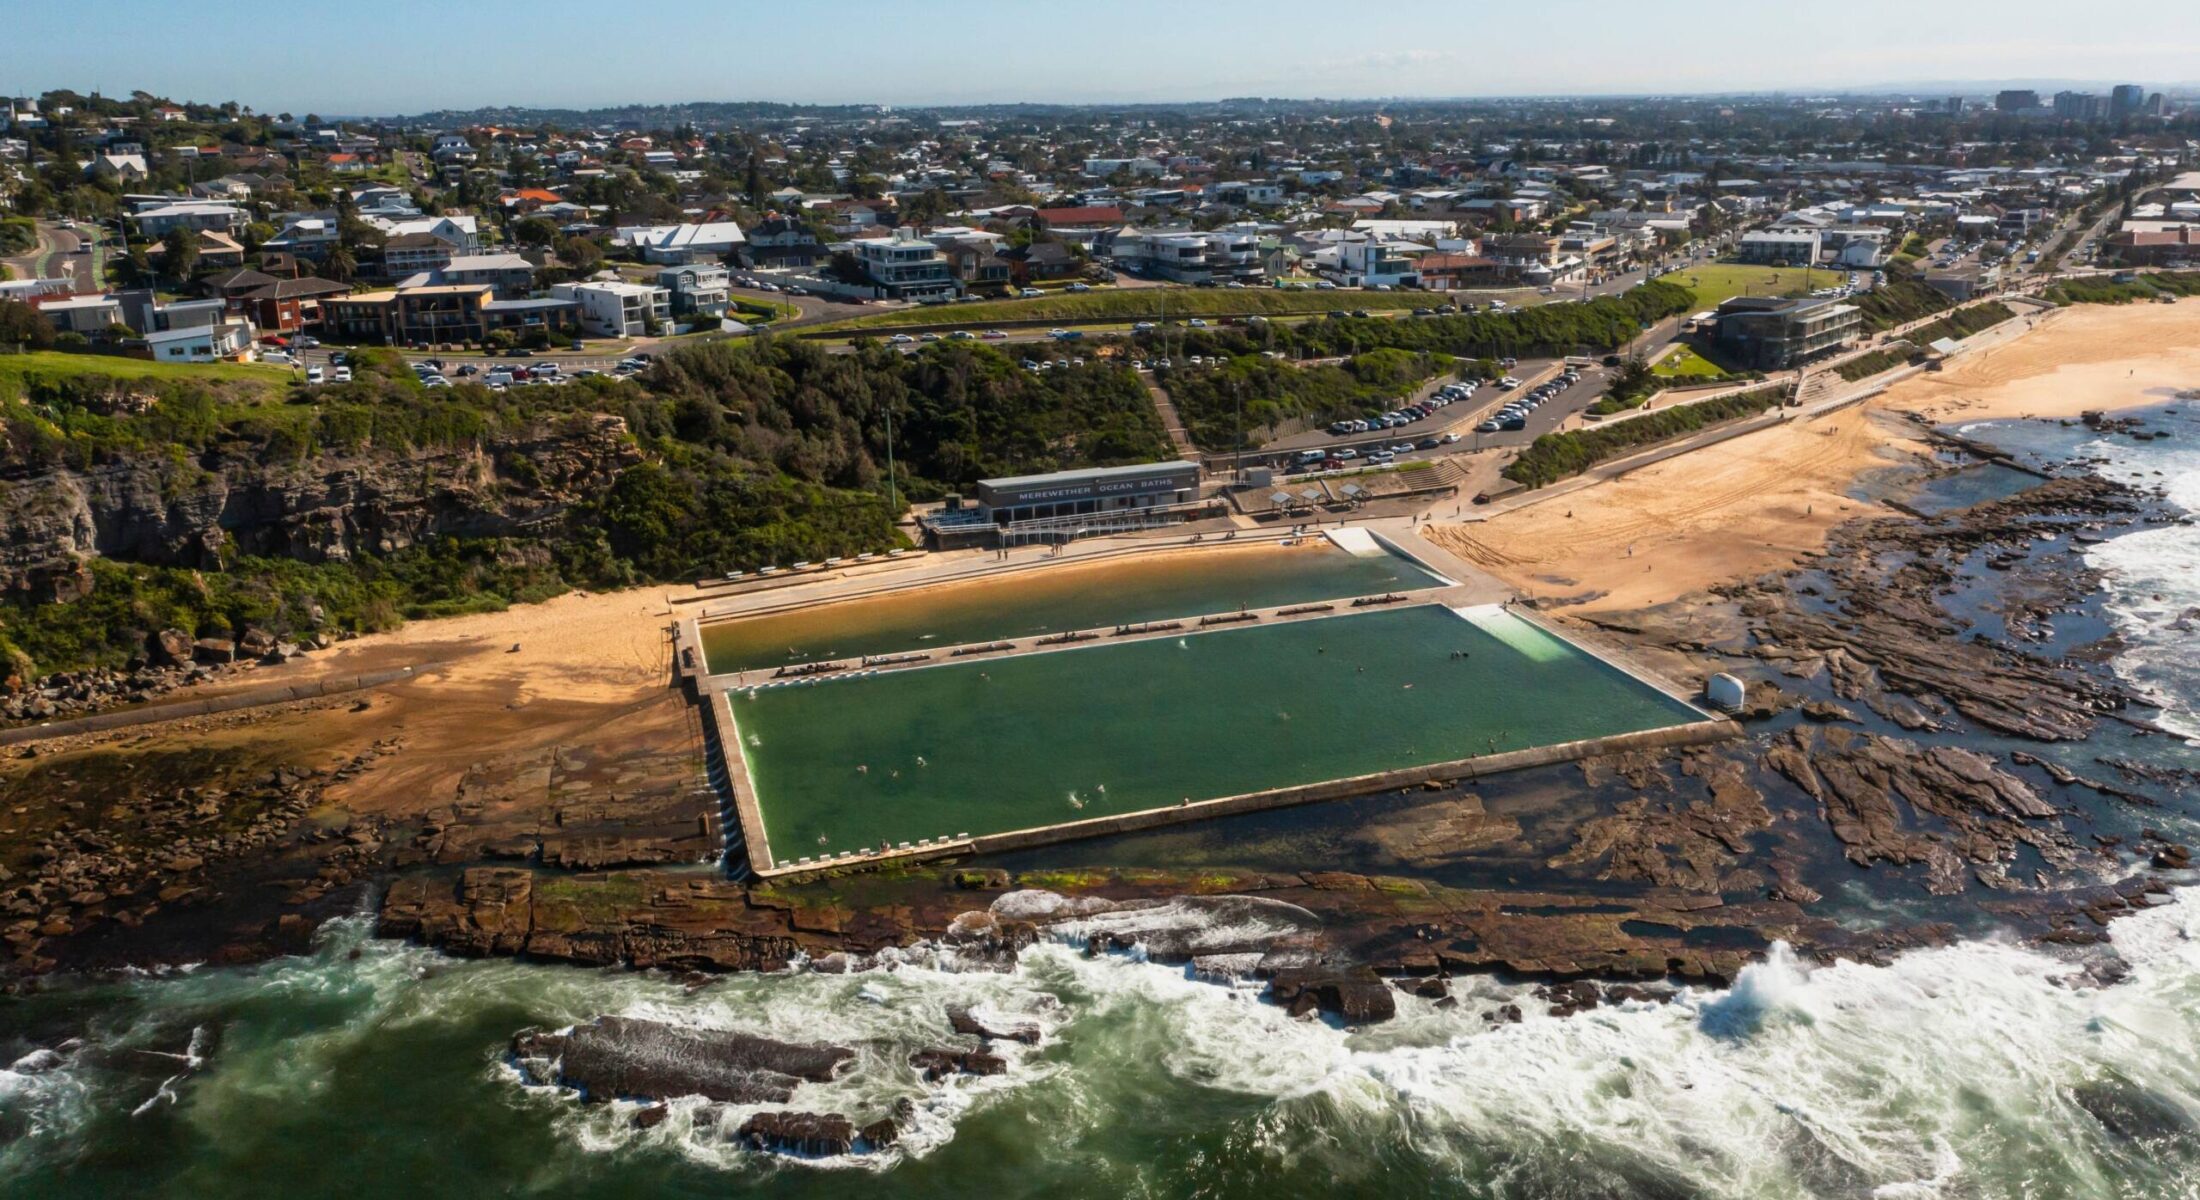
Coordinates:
column 2152, row 576
column 1977, row 1070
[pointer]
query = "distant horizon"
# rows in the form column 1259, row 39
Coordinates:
column 978, row 53
column 2186, row 91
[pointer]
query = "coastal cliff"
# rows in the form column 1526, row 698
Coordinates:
column 205, row 510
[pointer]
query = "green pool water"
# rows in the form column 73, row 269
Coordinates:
column 989, row 746
column 1060, row 597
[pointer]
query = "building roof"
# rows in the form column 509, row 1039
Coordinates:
column 297, row 289
column 487, row 262
column 241, row 279
column 1091, row 474
column 1088, row 214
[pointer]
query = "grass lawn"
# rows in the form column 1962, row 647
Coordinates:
column 1682, row 362
column 1139, row 304
column 18, row 369
column 1719, row 282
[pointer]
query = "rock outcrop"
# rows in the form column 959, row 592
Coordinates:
column 623, row 1057
column 329, row 507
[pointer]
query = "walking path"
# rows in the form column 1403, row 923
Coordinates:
column 1171, row 423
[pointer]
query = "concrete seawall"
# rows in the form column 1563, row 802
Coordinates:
column 255, row 698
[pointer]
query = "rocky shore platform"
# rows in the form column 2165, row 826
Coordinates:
column 1914, row 728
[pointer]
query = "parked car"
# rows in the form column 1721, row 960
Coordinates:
column 1030, row 293
column 314, row 375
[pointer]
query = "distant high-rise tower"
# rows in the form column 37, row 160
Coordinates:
column 2126, row 100
column 2080, row 106
column 2017, row 100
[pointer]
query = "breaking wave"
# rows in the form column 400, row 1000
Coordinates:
column 1984, row 1069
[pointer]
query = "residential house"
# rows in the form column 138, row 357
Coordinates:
column 408, row 254
column 125, row 168
column 280, row 305
column 1080, row 219
column 781, row 241
column 305, row 235
column 219, row 250
column 143, row 310
column 1230, row 254
column 675, row 244
column 906, row 267
column 1374, row 262
column 1040, row 262
column 87, row 315
column 508, row 275
column 1444, row 271
column 613, row 308
column 698, row 289
column 979, row 264
column 200, row 343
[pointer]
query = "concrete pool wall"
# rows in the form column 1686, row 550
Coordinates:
column 748, row 811
column 1034, row 599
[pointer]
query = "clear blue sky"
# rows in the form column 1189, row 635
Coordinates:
column 387, row 56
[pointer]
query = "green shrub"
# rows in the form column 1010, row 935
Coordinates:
column 1556, row 456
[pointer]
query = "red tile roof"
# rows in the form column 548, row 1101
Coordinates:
column 1090, row 214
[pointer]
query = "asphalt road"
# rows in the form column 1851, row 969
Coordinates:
column 56, row 257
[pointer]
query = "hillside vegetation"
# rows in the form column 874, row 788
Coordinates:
column 1275, row 394
column 1555, row 456
column 723, row 455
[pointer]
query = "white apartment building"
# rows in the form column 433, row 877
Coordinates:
column 1779, row 245
column 157, row 220
column 610, row 308
column 906, row 266
column 1229, row 254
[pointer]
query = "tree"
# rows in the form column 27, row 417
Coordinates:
column 179, row 253
column 582, row 254
column 535, row 231
column 133, row 269
column 340, row 266
column 22, row 325
column 847, row 268
column 755, row 180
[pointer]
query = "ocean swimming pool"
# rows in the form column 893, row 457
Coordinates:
column 1058, row 597
column 861, row 762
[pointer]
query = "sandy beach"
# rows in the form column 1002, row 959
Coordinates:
column 1758, row 503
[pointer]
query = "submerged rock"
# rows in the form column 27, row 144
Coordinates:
column 625, row 1057
column 816, row 1134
